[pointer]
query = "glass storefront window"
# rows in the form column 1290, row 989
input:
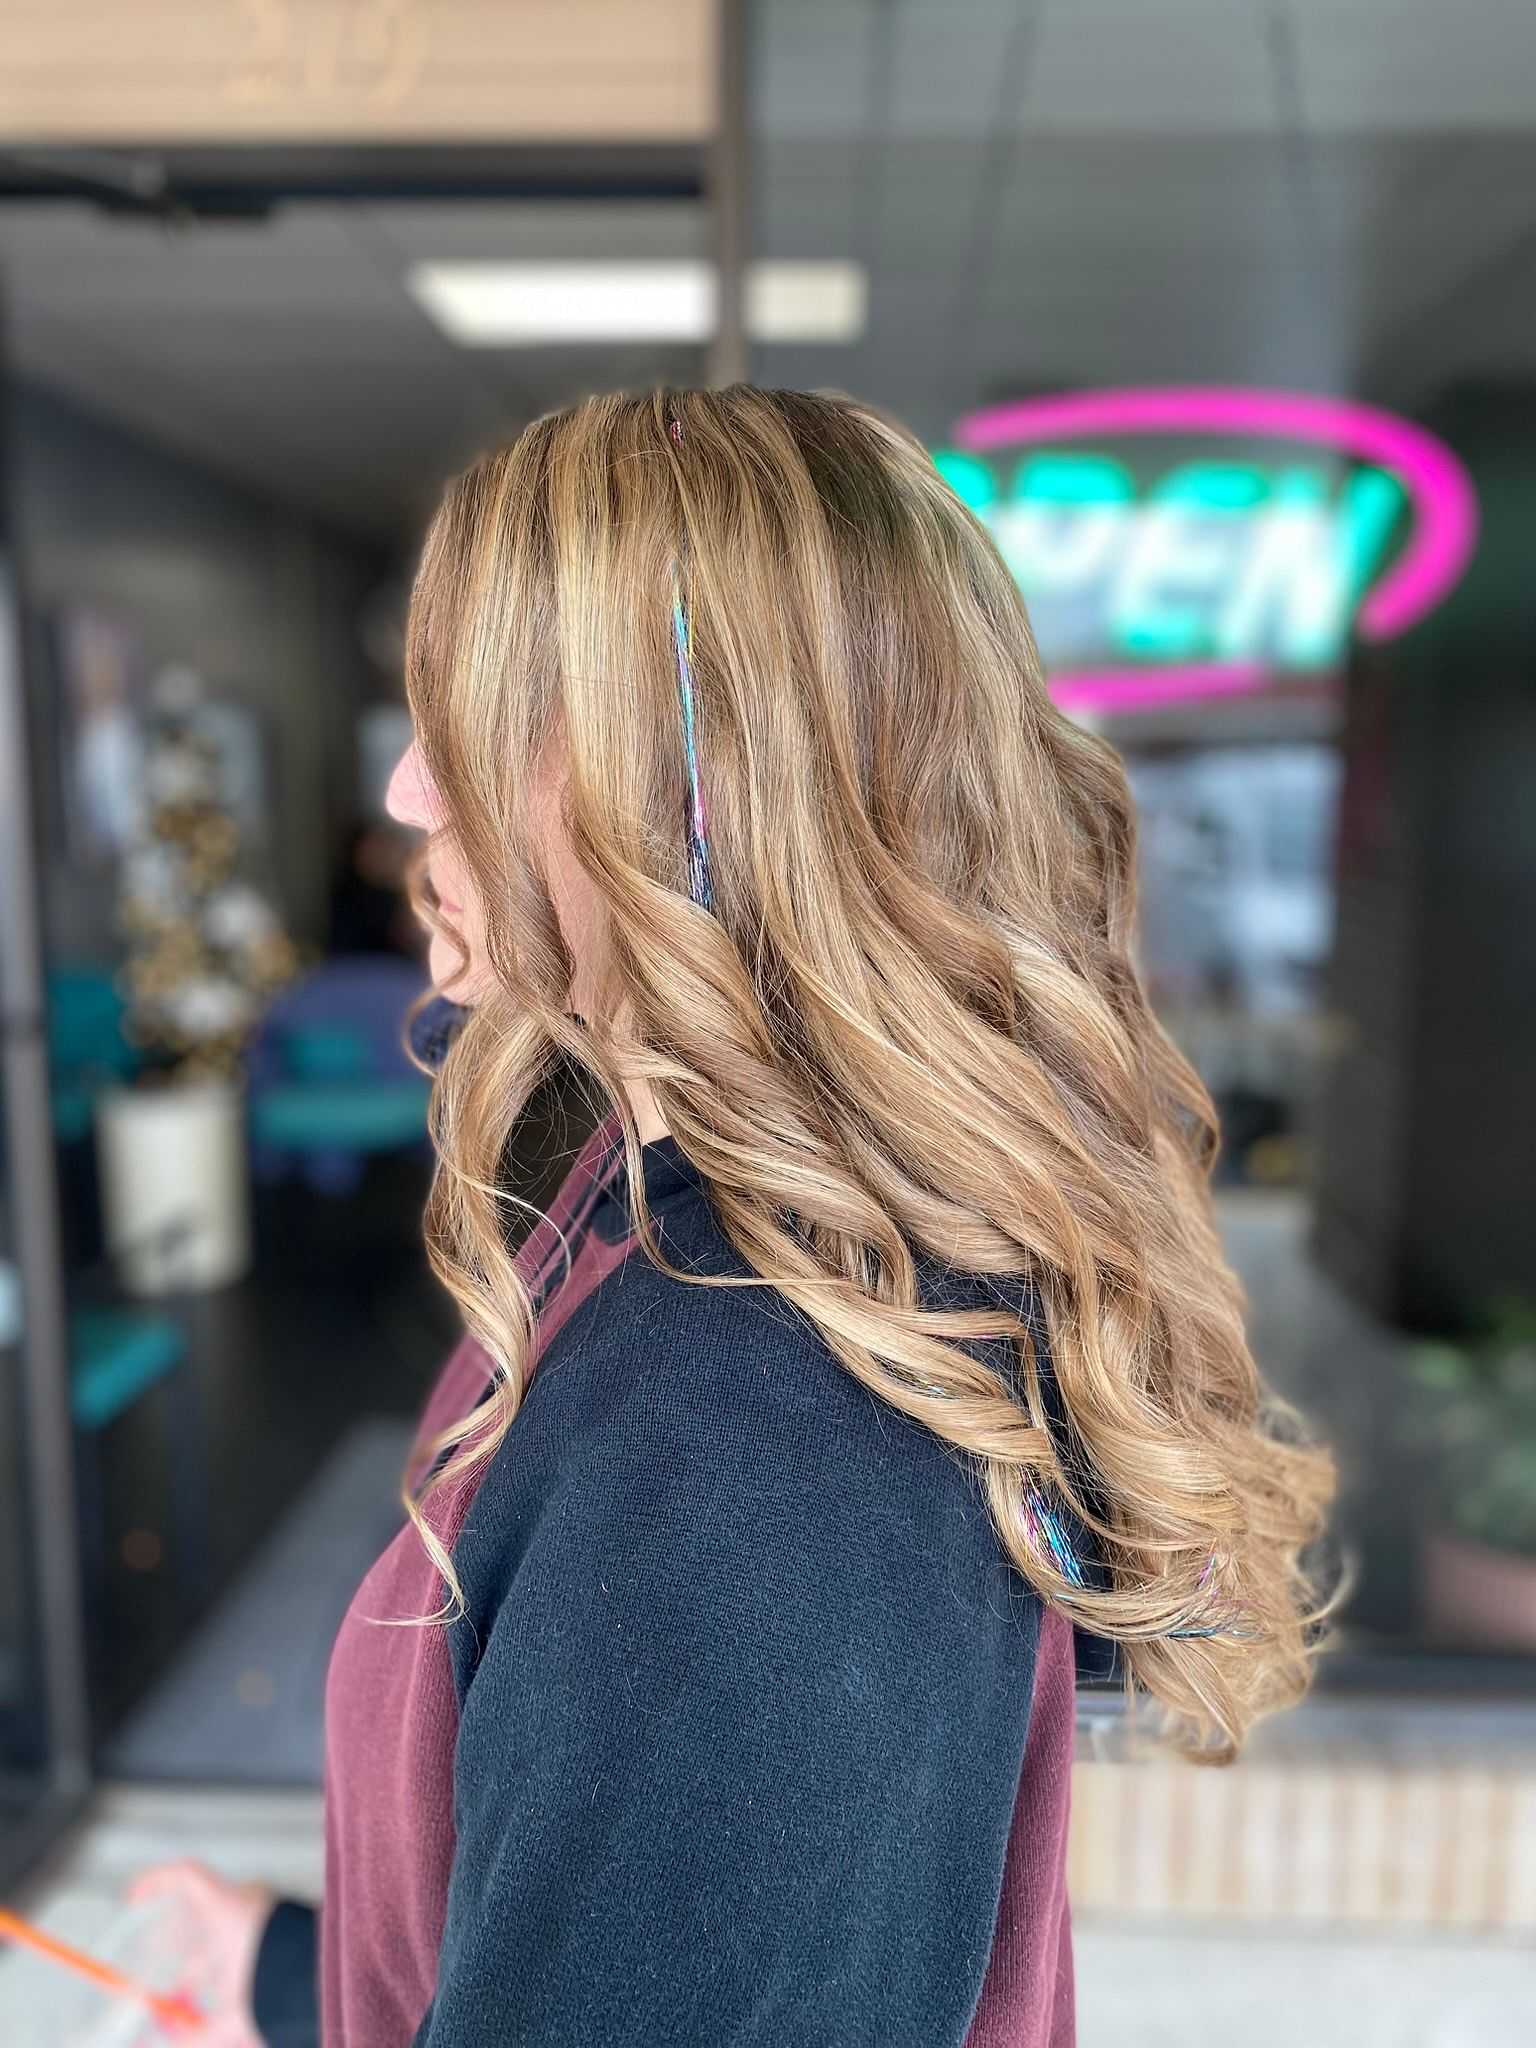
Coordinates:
column 1256, row 434
column 43, row 1762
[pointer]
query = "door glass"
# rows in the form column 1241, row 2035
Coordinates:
column 23, row 1762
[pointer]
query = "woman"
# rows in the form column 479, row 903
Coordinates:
column 878, row 1337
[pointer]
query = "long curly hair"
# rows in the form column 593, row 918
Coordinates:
column 908, row 1022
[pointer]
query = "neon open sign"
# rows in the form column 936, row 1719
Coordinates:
column 1223, row 569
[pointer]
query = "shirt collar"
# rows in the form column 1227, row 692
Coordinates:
column 667, row 1173
column 434, row 1028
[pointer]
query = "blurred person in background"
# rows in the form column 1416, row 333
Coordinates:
column 876, row 1360
column 370, row 911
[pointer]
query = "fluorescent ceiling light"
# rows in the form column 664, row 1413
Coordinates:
column 805, row 301
column 522, row 305
column 513, row 305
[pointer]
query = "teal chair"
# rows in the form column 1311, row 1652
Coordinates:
column 330, row 1082
column 88, row 1048
column 115, row 1356
column 119, row 1355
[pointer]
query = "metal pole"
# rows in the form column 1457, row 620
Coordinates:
column 48, row 1496
column 729, row 163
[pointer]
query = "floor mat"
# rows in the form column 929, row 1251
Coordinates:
column 243, row 1703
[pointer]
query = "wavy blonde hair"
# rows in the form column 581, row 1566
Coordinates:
column 910, row 1022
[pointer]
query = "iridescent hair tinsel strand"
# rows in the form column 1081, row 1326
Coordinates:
column 682, row 636
column 698, row 840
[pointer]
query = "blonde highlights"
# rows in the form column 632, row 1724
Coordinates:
column 910, row 1023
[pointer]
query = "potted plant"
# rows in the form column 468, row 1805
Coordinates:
column 1475, row 1419
column 205, row 952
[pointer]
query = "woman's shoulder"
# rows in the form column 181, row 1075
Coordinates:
column 721, row 1413
column 723, row 1363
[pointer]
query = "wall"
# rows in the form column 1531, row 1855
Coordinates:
column 1426, row 1202
column 259, row 599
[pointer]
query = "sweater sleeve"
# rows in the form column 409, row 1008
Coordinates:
column 737, row 1760
column 285, row 2000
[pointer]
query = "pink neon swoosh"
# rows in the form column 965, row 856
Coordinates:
column 1144, row 689
column 1445, row 504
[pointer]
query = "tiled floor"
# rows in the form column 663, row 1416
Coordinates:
column 1174, row 1984
column 1187, row 1986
